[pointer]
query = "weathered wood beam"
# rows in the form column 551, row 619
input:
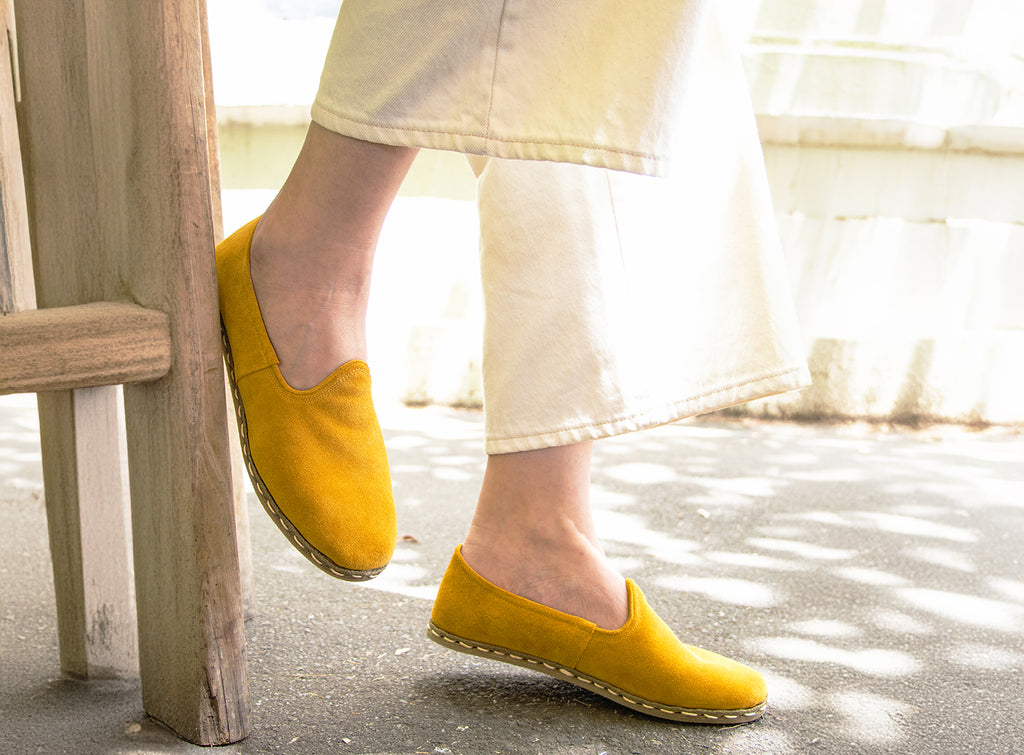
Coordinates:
column 82, row 346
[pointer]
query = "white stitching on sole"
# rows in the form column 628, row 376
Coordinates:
column 751, row 714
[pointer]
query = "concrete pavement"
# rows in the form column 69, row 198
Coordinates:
column 874, row 575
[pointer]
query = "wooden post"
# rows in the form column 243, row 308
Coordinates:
column 237, row 463
column 113, row 129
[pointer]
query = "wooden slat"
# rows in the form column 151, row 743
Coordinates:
column 111, row 626
column 16, row 288
column 82, row 346
column 114, row 138
column 90, row 544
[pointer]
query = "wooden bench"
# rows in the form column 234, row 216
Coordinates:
column 123, row 213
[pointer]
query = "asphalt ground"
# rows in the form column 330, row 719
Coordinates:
column 875, row 575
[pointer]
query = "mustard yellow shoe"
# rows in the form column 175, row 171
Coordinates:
column 641, row 665
column 316, row 457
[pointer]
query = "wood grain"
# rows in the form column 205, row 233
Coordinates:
column 237, row 463
column 82, row 346
column 83, row 444
column 17, row 291
column 114, row 136
column 94, row 583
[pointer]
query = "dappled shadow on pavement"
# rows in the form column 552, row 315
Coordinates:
column 875, row 576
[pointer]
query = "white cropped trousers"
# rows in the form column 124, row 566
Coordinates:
column 631, row 266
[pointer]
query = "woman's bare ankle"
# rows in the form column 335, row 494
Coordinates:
column 314, row 312
column 567, row 572
column 313, row 250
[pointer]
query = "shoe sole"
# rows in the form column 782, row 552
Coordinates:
column 315, row 557
column 610, row 691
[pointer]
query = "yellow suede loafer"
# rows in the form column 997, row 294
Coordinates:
column 641, row 665
column 316, row 457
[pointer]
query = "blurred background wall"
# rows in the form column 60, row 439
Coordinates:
column 893, row 133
